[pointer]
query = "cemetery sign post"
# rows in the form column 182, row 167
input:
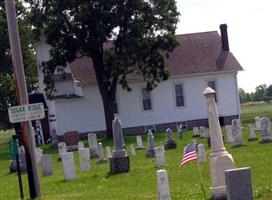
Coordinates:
column 22, row 97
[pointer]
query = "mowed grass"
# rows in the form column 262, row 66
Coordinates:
column 140, row 182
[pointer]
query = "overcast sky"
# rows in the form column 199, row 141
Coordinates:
column 249, row 28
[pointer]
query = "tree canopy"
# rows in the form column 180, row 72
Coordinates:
column 7, row 81
column 120, row 36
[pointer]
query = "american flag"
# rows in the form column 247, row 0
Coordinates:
column 189, row 153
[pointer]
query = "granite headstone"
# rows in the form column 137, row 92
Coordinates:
column 238, row 184
column 119, row 162
column 46, row 161
column 150, row 145
column 163, row 185
column 69, row 168
column 84, row 158
column 266, row 130
column 93, row 145
column 170, row 143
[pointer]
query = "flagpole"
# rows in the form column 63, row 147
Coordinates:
column 201, row 178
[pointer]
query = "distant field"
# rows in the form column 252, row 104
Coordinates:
column 140, row 182
column 248, row 112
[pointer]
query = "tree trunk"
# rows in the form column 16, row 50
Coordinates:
column 108, row 104
column 107, row 94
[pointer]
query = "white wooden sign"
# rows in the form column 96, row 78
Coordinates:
column 26, row 112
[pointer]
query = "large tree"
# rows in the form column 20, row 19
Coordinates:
column 138, row 36
column 7, row 81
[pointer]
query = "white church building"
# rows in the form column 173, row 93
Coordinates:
column 201, row 60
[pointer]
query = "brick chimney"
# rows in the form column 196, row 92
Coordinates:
column 224, row 37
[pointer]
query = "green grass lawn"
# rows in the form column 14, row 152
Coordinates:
column 140, row 182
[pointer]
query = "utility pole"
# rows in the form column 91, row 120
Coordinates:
column 22, row 96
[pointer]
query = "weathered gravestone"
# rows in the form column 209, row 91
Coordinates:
column 84, row 158
column 266, row 130
column 38, row 153
column 54, row 139
column 220, row 159
column 69, row 168
column 80, row 145
column 252, row 135
column 119, row 162
column 258, row 124
column 132, row 150
column 46, row 161
column 179, row 130
column 170, row 144
column 108, row 152
column 195, row 132
column 204, row 132
column 238, row 182
column 139, row 143
column 160, row 156
column 237, row 133
column 229, row 133
column 62, row 149
column 71, row 139
column 151, row 145
column 93, row 145
column 163, row 185
column 201, row 153
column 101, row 158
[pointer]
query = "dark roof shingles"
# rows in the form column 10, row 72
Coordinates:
column 198, row 53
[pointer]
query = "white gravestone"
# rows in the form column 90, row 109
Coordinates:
column 80, row 145
column 252, row 135
column 84, row 158
column 38, row 153
column 229, row 133
column 163, row 185
column 132, row 150
column 108, row 152
column 160, row 156
column 46, row 161
column 201, row 153
column 237, row 133
column 204, row 132
column 101, row 158
column 68, row 163
column 139, row 142
column 93, row 145
column 195, row 132
column 62, row 149
column 258, row 124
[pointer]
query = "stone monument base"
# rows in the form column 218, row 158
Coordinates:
column 150, row 153
column 139, row 148
column 54, row 146
column 195, row 136
column 93, row 153
column 119, row 165
column 101, row 161
column 170, row 145
column 268, row 140
column 252, row 139
column 72, row 148
column 238, row 145
column 219, row 193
